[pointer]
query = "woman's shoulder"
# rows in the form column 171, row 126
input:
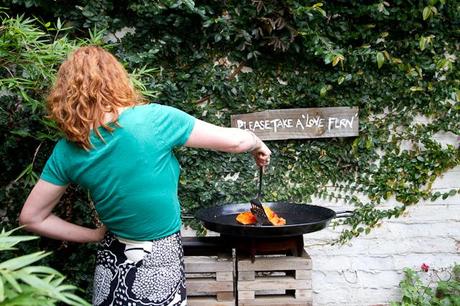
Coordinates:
column 149, row 108
column 155, row 106
column 62, row 148
column 62, row 143
column 158, row 109
column 65, row 146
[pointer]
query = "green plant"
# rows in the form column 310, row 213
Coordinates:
column 427, row 288
column 24, row 284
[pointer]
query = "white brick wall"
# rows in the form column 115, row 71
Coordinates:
column 367, row 271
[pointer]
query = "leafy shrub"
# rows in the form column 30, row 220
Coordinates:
column 22, row 284
column 436, row 291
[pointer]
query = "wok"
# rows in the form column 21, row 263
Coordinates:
column 300, row 219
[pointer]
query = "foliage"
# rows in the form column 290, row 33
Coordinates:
column 23, row 284
column 217, row 58
column 434, row 292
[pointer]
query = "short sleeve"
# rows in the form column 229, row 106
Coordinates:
column 54, row 171
column 177, row 127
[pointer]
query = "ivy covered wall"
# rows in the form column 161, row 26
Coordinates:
column 396, row 60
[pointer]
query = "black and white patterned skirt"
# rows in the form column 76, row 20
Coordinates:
column 149, row 273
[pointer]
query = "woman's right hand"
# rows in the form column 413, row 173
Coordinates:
column 261, row 154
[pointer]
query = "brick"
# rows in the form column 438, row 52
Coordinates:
column 451, row 200
column 445, row 213
column 355, row 297
column 375, row 246
column 434, row 260
column 449, row 179
column 379, row 279
column 406, row 231
column 446, row 138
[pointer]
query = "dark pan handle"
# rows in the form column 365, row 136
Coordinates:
column 344, row 214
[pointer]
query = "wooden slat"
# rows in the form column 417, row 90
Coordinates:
column 225, row 296
column 275, row 263
column 275, row 283
column 302, row 274
column 304, row 294
column 208, row 301
column 300, row 123
column 224, row 276
column 207, row 286
column 246, row 295
column 275, row 301
column 211, row 275
column 246, row 275
column 194, row 264
column 273, row 292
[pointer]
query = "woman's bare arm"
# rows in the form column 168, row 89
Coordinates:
column 232, row 140
column 36, row 216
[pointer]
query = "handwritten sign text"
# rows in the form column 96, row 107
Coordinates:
column 300, row 123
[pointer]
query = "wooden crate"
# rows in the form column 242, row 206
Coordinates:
column 210, row 280
column 274, row 280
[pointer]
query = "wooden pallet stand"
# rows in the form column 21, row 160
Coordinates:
column 274, row 280
column 209, row 280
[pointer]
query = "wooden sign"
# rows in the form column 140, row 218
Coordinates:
column 300, row 123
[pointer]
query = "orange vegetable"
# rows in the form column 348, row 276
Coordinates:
column 248, row 218
column 273, row 217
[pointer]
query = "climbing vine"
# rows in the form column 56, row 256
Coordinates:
column 396, row 60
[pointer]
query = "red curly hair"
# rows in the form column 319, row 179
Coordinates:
column 90, row 84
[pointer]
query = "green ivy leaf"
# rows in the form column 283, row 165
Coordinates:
column 380, row 59
column 340, row 79
column 426, row 12
column 324, row 90
column 422, row 42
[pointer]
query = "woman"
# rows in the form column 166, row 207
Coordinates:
column 120, row 149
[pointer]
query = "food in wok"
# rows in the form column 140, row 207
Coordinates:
column 248, row 217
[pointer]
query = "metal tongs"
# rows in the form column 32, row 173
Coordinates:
column 256, row 205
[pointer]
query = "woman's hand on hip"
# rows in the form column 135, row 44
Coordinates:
column 37, row 216
column 99, row 233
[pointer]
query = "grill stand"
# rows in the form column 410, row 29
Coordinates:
column 266, row 271
column 292, row 246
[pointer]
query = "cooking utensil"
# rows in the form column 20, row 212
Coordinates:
column 256, row 205
column 300, row 219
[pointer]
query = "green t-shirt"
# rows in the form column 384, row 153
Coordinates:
column 133, row 174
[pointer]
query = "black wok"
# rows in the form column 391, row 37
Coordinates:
column 300, row 219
